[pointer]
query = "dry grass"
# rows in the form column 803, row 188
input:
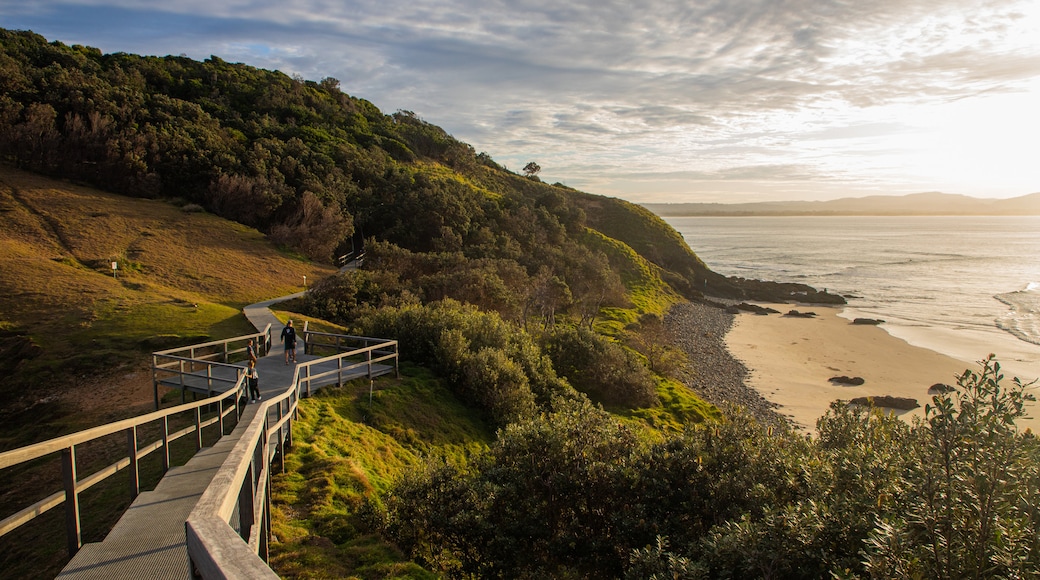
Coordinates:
column 182, row 277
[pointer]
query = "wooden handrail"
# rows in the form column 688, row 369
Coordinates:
column 241, row 485
column 37, row 450
column 214, row 549
column 74, row 485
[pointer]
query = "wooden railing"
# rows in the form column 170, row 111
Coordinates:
column 74, row 483
column 199, row 360
column 223, row 546
column 219, row 544
column 350, row 257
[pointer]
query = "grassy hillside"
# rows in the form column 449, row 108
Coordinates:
column 347, row 455
column 73, row 332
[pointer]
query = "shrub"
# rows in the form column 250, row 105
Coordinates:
column 975, row 478
column 604, row 370
column 490, row 363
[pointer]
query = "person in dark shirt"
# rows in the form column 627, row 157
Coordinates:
column 253, row 378
column 289, row 341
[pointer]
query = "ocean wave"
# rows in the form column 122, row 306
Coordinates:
column 1023, row 318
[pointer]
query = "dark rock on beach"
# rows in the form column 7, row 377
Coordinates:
column 767, row 291
column 797, row 314
column 851, row 381
column 868, row 321
column 901, row 403
column 941, row 388
column 755, row 308
column 700, row 330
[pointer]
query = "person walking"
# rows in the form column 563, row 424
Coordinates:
column 251, row 351
column 253, row 378
column 289, row 341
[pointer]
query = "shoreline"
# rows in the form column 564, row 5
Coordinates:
column 790, row 361
column 712, row 372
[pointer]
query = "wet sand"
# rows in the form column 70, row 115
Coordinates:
column 790, row 361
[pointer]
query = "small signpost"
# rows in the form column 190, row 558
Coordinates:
column 115, row 266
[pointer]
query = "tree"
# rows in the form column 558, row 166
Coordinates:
column 976, row 476
column 532, row 169
column 315, row 230
column 650, row 336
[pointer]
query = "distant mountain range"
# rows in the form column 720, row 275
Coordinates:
column 931, row 203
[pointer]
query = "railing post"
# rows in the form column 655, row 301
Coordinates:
column 72, row 524
column 134, row 468
column 281, row 442
column 220, row 414
column 198, row 428
column 265, row 537
column 245, row 503
column 155, row 380
column 166, row 443
column 183, row 386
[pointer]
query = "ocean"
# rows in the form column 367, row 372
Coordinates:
column 962, row 286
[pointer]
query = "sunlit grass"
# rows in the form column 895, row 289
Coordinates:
column 348, row 452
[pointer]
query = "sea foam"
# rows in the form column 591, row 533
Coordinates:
column 1023, row 318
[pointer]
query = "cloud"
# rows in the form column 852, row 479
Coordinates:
column 717, row 85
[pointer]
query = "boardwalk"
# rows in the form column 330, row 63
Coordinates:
column 149, row 540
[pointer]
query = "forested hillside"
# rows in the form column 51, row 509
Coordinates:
column 321, row 171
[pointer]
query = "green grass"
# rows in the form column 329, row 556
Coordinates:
column 346, row 453
column 679, row 407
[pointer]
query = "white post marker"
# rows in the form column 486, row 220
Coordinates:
column 304, row 282
column 115, row 266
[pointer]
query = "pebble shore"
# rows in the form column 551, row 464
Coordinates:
column 700, row 331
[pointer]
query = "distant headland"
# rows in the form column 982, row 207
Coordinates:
column 931, row 203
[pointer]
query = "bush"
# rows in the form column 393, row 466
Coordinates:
column 604, row 370
column 975, row 478
column 489, row 363
column 543, row 502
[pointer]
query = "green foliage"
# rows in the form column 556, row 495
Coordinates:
column 574, row 494
column 605, row 371
column 973, row 513
column 543, row 502
column 488, row 362
column 679, row 407
column 651, row 337
column 346, row 453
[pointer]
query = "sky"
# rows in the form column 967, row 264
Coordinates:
column 728, row 101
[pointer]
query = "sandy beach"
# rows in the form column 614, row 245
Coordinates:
column 790, row 361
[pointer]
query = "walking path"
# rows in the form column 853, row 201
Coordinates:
column 149, row 541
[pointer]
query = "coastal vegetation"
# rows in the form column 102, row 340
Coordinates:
column 542, row 426
column 575, row 492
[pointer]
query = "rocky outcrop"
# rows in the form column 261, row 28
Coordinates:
column 851, row 381
column 755, row 308
column 940, row 388
column 868, row 321
column 888, row 402
column 764, row 291
column 797, row 314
